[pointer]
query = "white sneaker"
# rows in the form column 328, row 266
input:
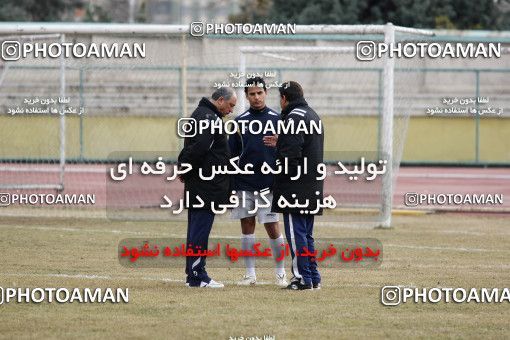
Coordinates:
column 247, row 281
column 211, row 284
column 281, row 280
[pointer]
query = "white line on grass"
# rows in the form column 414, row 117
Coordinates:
column 156, row 279
column 90, row 277
column 446, row 248
column 105, row 277
column 473, row 233
column 109, row 231
column 474, row 268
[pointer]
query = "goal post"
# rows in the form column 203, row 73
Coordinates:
column 387, row 129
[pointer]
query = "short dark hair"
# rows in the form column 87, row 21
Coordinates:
column 254, row 82
column 291, row 90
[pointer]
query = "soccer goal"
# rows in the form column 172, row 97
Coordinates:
column 332, row 63
column 129, row 106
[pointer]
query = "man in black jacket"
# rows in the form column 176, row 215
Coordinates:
column 300, row 149
column 208, row 148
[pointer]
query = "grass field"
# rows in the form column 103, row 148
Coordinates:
column 438, row 250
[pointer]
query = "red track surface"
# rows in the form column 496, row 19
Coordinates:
column 145, row 191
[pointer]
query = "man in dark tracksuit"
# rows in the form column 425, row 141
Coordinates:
column 295, row 147
column 203, row 151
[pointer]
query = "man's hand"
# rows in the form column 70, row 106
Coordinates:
column 270, row 140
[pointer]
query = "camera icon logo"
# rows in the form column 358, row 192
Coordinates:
column 197, row 29
column 5, row 199
column 11, row 50
column 390, row 296
column 365, row 50
column 411, row 199
column 187, row 127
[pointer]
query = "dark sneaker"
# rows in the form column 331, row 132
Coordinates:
column 316, row 285
column 296, row 285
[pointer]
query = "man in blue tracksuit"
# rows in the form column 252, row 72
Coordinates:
column 256, row 149
column 295, row 147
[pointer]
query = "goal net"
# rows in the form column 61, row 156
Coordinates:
column 32, row 130
column 365, row 107
column 106, row 112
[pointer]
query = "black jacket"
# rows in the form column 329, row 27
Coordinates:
column 295, row 147
column 204, row 151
